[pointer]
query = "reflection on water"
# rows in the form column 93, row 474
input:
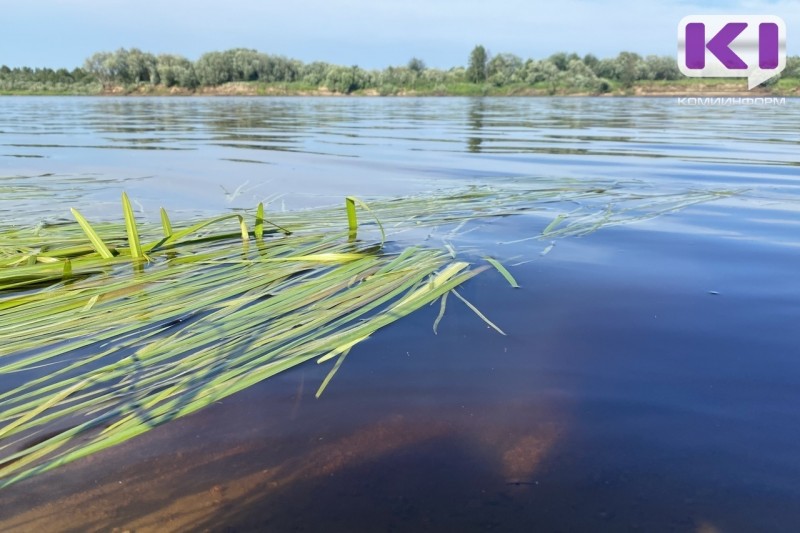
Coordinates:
column 318, row 149
column 476, row 110
column 649, row 380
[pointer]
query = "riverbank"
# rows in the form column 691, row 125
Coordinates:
column 684, row 87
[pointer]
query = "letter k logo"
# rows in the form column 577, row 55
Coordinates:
column 719, row 45
column 732, row 46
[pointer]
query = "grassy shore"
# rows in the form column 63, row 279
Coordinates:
column 683, row 87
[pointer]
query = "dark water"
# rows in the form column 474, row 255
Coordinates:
column 649, row 380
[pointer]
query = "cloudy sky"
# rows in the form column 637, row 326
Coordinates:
column 369, row 33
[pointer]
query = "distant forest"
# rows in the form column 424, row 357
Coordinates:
column 132, row 69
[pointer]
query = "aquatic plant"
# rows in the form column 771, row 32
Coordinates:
column 110, row 330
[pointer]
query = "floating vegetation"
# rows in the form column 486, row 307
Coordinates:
column 239, row 160
column 110, row 329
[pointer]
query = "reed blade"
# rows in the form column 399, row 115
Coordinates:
column 503, row 271
column 130, row 228
column 166, row 225
column 259, row 227
column 97, row 243
column 352, row 218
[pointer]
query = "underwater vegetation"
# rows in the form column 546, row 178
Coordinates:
column 110, row 329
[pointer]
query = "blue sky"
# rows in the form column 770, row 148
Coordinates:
column 369, row 33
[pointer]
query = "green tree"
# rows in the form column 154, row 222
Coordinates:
column 176, row 71
column 476, row 70
column 315, row 73
column 243, row 64
column 579, row 76
column 628, row 70
column 417, row 65
column 284, row 69
column 504, row 68
column 98, row 65
column 347, row 79
column 662, row 68
column 142, row 66
column 606, row 68
column 543, row 71
column 792, row 69
column 213, row 68
column 591, row 61
column 561, row 59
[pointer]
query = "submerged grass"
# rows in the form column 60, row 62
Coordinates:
column 113, row 329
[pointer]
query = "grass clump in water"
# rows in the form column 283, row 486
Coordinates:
column 110, row 330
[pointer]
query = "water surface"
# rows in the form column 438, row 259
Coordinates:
column 649, row 379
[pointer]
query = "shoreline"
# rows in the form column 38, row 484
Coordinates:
column 646, row 89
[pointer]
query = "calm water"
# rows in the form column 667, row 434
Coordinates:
column 650, row 378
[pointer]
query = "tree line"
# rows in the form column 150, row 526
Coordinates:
column 560, row 72
column 34, row 79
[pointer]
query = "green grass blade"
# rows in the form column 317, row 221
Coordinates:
column 352, row 218
column 54, row 400
column 97, row 243
column 90, row 303
column 243, row 229
column 259, row 228
column 314, row 258
column 332, row 372
column 166, row 226
column 352, row 201
column 477, row 312
column 176, row 236
column 130, row 228
column 439, row 317
column 340, row 349
column 503, row 271
column 556, row 221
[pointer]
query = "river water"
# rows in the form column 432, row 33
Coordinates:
column 649, row 379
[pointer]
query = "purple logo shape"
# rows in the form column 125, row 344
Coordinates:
column 719, row 45
column 768, row 45
column 732, row 46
